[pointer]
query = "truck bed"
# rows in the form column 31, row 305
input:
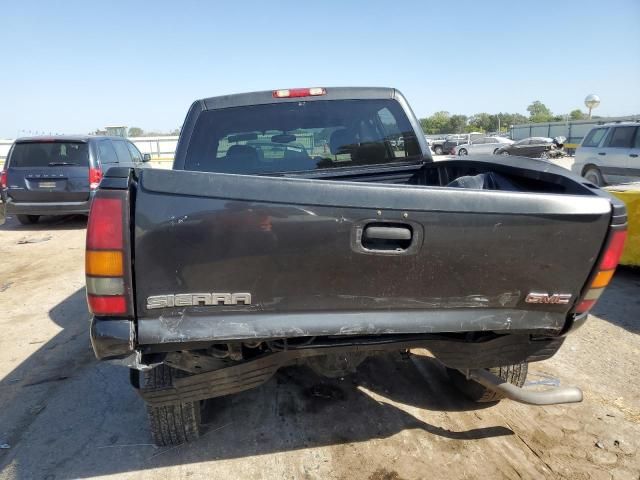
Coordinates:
column 298, row 245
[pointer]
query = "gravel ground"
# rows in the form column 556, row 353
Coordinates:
column 63, row 415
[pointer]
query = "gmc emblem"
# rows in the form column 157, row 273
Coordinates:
column 553, row 299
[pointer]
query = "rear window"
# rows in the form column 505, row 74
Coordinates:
column 297, row 136
column 594, row 137
column 49, row 154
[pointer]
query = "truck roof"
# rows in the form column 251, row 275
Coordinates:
column 267, row 96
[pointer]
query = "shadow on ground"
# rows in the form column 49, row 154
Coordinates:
column 620, row 302
column 46, row 223
column 72, row 417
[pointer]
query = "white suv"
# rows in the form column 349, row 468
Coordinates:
column 610, row 153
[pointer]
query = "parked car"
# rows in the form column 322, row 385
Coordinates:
column 331, row 257
column 436, row 145
column 532, row 147
column 610, row 154
column 482, row 145
column 59, row 175
column 452, row 141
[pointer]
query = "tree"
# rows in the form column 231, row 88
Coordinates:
column 577, row 114
column 135, row 132
column 482, row 122
column 436, row 123
column 539, row 112
column 457, row 124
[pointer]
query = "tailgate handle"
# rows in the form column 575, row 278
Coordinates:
column 601, row 153
column 388, row 233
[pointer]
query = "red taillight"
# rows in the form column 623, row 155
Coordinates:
column 107, row 305
column 104, row 229
column 95, row 175
column 614, row 250
column 3, row 179
column 604, row 274
column 299, row 92
column 107, row 261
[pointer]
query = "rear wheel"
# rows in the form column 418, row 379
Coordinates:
column 462, row 151
column 515, row 374
column 594, row 176
column 172, row 424
column 504, row 153
column 437, row 150
column 28, row 219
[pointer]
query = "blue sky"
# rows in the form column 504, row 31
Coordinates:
column 72, row 67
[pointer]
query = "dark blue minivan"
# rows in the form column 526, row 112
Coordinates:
column 58, row 175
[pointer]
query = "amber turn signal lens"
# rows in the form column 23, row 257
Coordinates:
column 602, row 279
column 104, row 263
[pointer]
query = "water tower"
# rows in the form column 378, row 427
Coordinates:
column 592, row 101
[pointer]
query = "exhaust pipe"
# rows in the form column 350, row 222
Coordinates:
column 547, row 397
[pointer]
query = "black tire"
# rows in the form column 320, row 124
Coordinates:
column 515, row 374
column 462, row 151
column 173, row 424
column 437, row 150
column 28, row 219
column 594, row 176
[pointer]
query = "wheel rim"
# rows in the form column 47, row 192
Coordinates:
column 544, row 155
column 505, row 154
column 592, row 177
column 462, row 152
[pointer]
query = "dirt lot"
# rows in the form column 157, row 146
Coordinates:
column 63, row 415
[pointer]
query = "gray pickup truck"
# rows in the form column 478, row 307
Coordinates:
column 290, row 230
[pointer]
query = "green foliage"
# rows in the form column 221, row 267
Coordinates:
column 135, row 132
column 539, row 112
column 578, row 114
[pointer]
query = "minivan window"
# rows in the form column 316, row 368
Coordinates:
column 296, row 136
column 594, row 137
column 135, row 153
column 123, row 152
column 621, row 137
column 106, row 152
column 49, row 154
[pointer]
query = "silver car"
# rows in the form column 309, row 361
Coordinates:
column 482, row 145
column 609, row 154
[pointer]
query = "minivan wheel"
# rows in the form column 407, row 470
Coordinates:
column 594, row 176
column 438, row 150
column 462, row 151
column 28, row 219
column 171, row 424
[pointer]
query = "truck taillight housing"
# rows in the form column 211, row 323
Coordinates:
column 3, row 179
column 95, row 175
column 299, row 92
column 108, row 259
column 606, row 267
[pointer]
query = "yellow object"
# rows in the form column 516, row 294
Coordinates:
column 104, row 263
column 630, row 195
column 602, row 279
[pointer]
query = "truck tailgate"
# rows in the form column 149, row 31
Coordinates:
column 300, row 248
